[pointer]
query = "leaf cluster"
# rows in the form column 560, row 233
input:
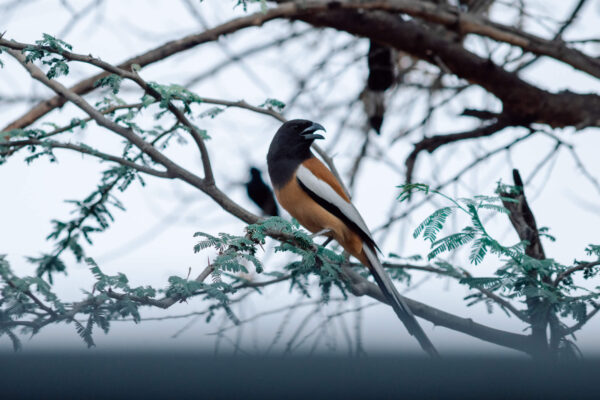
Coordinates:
column 111, row 81
column 518, row 276
column 46, row 51
column 244, row 4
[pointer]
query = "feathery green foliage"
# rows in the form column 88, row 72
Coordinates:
column 234, row 251
column 94, row 214
column 519, row 276
column 45, row 51
column 245, row 3
column 112, row 81
column 273, row 104
column 475, row 233
column 28, row 303
column 174, row 93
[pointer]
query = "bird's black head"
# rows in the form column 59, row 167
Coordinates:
column 290, row 146
column 255, row 172
column 293, row 139
column 302, row 128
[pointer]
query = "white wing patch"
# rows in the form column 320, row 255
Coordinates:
column 327, row 193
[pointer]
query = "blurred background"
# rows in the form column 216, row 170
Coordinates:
column 322, row 75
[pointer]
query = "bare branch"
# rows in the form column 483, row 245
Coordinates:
column 430, row 144
column 580, row 267
column 244, row 105
column 88, row 150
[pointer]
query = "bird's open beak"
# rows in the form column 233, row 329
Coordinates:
column 309, row 134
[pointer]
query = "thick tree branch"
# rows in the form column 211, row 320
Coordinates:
column 453, row 19
column 524, row 224
column 521, row 100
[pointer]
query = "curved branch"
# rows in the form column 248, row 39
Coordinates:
column 563, row 109
column 506, row 305
column 100, row 118
column 430, row 144
column 157, row 54
column 437, row 317
column 464, row 23
column 90, row 151
column 131, row 75
column 574, row 269
column 521, row 100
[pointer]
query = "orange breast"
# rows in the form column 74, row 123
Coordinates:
column 315, row 218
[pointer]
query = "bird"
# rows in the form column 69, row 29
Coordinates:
column 261, row 194
column 381, row 77
column 312, row 194
column 381, row 67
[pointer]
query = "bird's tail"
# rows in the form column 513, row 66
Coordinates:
column 397, row 302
